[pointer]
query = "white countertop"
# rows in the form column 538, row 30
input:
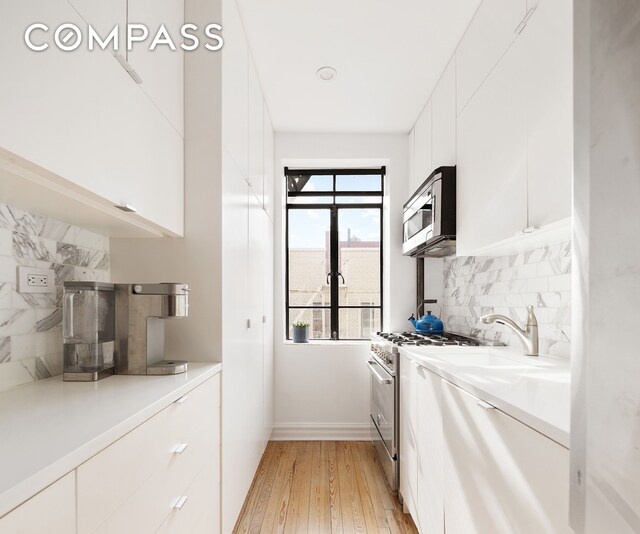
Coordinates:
column 535, row 391
column 50, row 427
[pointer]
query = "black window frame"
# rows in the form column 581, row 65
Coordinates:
column 334, row 208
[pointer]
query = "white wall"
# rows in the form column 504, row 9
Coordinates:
column 605, row 433
column 322, row 390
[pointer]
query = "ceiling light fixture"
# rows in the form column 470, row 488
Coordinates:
column 326, row 74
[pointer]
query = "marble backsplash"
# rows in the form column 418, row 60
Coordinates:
column 475, row 286
column 31, row 324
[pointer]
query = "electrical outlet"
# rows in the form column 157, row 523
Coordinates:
column 35, row 280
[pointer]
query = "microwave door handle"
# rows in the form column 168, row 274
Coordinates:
column 381, row 379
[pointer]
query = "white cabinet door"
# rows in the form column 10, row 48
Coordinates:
column 268, row 193
column 267, row 340
column 408, row 435
column 52, row 511
column 501, row 476
column 83, row 118
column 547, row 49
column 430, row 452
column 443, row 111
column 492, row 160
column 423, row 163
column 235, row 88
column 256, row 134
column 103, row 17
column 490, row 33
column 161, row 69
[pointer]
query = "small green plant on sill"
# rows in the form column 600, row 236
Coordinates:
column 301, row 332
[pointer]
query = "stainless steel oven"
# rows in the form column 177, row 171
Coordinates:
column 383, row 411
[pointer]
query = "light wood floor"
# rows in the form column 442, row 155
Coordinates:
column 321, row 487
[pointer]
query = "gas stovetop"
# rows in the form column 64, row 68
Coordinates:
column 423, row 340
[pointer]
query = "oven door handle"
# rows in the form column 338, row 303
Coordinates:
column 381, row 379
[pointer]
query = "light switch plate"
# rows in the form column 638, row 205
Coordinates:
column 35, row 280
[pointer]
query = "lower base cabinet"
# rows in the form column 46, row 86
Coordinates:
column 466, row 467
column 51, row 511
column 163, row 476
column 500, row 475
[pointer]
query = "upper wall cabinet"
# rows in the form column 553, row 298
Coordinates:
column 235, row 88
column 515, row 141
column 103, row 16
column 492, row 160
column 256, row 134
column 422, row 150
column 547, row 46
column 491, row 32
column 80, row 116
column 161, row 70
column 443, row 113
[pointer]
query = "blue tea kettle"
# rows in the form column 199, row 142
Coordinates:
column 427, row 324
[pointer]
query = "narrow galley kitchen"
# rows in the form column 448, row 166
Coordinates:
column 274, row 267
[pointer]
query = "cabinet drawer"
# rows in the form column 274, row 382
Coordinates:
column 197, row 503
column 52, row 511
column 132, row 481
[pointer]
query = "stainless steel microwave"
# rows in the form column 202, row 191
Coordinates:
column 429, row 218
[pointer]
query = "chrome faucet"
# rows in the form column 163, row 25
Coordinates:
column 528, row 336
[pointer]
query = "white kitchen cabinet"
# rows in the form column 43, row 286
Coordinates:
column 267, row 330
column 80, row 116
column 409, row 435
column 547, row 48
column 430, row 452
column 235, row 88
column 243, row 387
column 134, row 484
column 492, row 160
column 489, row 35
column 422, row 151
column 443, row 117
column 500, row 475
column 269, row 168
column 161, row 69
column 256, row 134
column 515, row 140
column 103, row 16
column 53, row 511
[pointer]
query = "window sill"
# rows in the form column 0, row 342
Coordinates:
column 329, row 343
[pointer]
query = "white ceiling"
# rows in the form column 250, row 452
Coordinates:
column 389, row 55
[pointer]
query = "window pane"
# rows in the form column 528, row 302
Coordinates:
column 359, row 256
column 319, row 321
column 310, row 200
column 358, row 200
column 359, row 182
column 309, row 183
column 309, row 257
column 359, row 323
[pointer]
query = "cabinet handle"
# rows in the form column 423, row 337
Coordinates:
column 128, row 208
column 182, row 400
column 181, row 501
column 486, row 405
column 180, row 448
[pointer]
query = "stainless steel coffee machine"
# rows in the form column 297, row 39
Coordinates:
column 88, row 314
column 141, row 310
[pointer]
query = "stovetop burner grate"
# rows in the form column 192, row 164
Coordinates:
column 438, row 340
